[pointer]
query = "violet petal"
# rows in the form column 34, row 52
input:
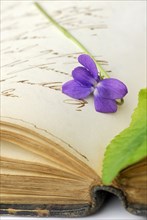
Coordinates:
column 83, row 76
column 112, row 89
column 76, row 90
column 88, row 62
column 104, row 105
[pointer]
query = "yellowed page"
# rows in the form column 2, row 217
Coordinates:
column 37, row 59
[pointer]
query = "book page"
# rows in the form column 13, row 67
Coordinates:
column 37, row 59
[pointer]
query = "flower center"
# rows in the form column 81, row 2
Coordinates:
column 95, row 84
column 95, row 92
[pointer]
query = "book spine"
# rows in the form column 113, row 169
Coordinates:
column 102, row 192
column 36, row 210
column 98, row 195
column 56, row 210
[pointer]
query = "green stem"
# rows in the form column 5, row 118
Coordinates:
column 103, row 73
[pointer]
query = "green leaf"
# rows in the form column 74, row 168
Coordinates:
column 129, row 146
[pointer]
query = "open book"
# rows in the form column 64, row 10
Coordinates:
column 52, row 146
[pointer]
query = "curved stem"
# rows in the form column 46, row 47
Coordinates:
column 103, row 73
column 119, row 101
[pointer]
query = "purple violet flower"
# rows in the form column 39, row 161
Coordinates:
column 86, row 80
